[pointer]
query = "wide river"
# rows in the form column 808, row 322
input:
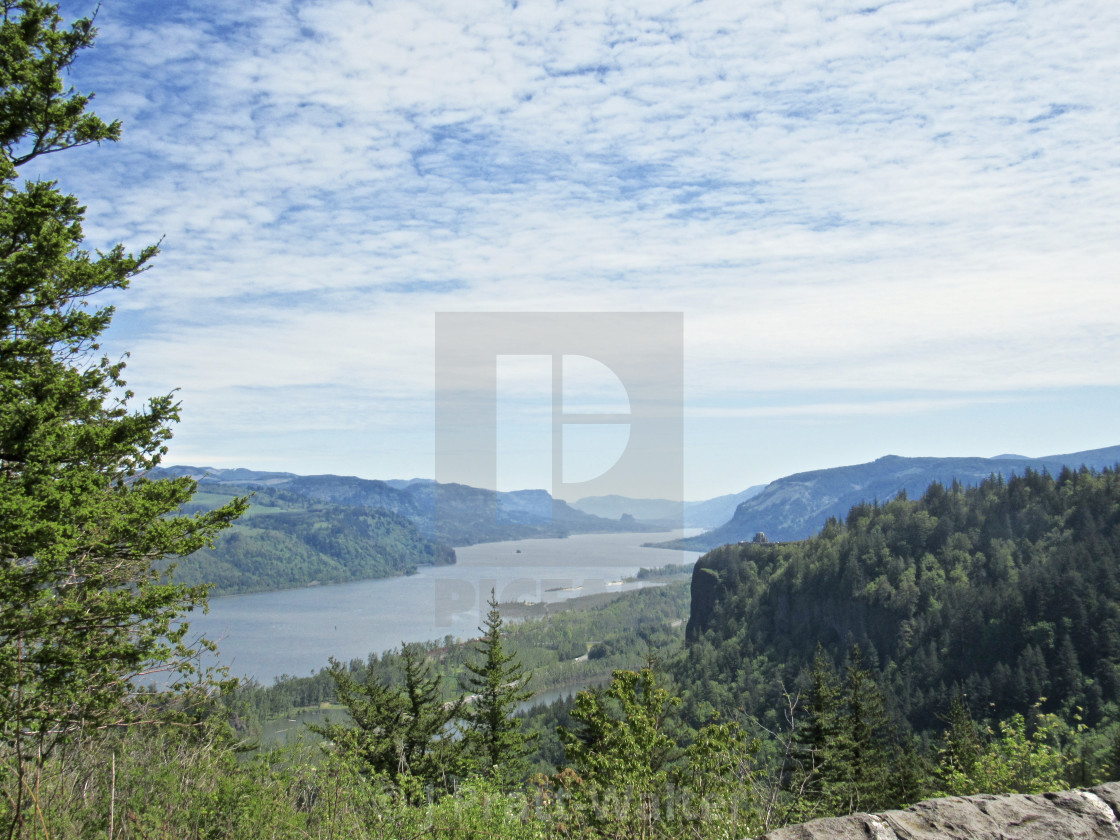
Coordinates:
column 293, row 632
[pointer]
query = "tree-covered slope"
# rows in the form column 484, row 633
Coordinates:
column 286, row 541
column 797, row 506
column 1006, row 592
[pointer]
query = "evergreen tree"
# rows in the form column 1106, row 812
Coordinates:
column 1112, row 761
column 496, row 744
column 815, row 739
column 84, row 613
column 401, row 730
column 962, row 742
column 621, row 755
column 861, row 771
column 846, row 750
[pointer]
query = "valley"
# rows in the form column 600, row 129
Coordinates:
column 267, row 635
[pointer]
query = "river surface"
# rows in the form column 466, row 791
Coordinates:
column 293, row 632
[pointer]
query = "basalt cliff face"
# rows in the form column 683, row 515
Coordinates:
column 1070, row 815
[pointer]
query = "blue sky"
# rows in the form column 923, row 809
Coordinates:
column 891, row 228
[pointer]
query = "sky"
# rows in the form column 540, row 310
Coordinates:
column 890, row 228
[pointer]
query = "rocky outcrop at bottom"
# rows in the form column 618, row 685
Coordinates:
column 1070, row 815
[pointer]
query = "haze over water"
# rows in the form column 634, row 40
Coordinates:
column 268, row 634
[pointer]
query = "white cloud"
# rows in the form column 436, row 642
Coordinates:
column 923, row 195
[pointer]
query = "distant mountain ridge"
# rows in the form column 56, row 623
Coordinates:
column 666, row 513
column 451, row 514
column 797, row 506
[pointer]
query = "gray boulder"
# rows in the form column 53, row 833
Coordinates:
column 1069, row 815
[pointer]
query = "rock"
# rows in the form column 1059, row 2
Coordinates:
column 1069, row 815
column 1110, row 793
column 854, row 827
column 1022, row 817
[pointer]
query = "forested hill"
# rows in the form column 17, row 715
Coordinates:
column 286, row 540
column 452, row 514
column 1007, row 592
column 797, row 506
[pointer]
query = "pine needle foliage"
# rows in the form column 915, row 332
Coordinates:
column 85, row 614
column 496, row 684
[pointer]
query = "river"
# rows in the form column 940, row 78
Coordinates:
column 269, row 634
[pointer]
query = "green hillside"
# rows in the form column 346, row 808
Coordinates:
column 286, row 540
column 1006, row 593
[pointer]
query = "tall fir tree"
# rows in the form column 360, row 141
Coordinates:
column 863, row 767
column 85, row 613
column 496, row 743
column 847, row 753
column 816, row 738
